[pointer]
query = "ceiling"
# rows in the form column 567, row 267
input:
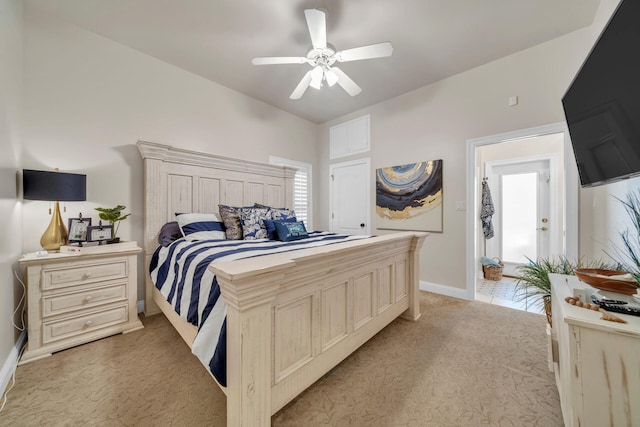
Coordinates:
column 432, row 39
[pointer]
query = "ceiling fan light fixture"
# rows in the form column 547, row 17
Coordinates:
column 331, row 77
column 316, row 77
column 323, row 56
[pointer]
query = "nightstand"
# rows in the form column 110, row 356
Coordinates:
column 75, row 298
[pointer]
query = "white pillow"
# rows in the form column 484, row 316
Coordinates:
column 198, row 226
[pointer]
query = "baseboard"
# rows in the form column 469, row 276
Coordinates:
column 141, row 306
column 449, row 291
column 12, row 361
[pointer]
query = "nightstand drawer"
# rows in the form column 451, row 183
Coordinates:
column 59, row 330
column 63, row 303
column 79, row 275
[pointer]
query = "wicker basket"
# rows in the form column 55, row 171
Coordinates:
column 493, row 273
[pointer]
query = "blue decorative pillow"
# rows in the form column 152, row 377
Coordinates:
column 288, row 231
column 270, row 225
column 252, row 219
column 198, row 226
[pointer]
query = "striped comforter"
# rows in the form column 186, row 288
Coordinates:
column 180, row 272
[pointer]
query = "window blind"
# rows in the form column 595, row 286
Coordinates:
column 302, row 200
column 301, row 195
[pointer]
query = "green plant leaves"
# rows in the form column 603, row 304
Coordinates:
column 533, row 280
column 114, row 216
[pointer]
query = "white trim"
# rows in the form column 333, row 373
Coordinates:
column 571, row 193
column 449, row 291
column 12, row 362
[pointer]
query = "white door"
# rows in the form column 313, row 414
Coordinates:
column 350, row 197
column 522, row 222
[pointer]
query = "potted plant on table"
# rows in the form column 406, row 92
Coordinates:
column 113, row 216
column 533, row 280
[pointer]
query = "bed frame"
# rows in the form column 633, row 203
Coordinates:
column 293, row 316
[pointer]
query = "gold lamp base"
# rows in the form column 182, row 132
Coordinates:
column 56, row 234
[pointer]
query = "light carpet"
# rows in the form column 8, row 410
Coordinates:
column 462, row 364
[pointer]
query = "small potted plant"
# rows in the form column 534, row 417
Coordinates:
column 533, row 280
column 113, row 216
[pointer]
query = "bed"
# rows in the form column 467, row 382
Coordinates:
column 290, row 316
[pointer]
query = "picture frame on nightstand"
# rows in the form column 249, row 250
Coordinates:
column 100, row 233
column 78, row 229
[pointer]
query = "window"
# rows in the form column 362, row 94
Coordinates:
column 519, row 217
column 301, row 188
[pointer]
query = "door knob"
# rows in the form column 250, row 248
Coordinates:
column 542, row 228
column 362, row 225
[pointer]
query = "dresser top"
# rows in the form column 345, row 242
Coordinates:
column 563, row 286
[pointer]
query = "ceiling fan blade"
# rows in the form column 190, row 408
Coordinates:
column 302, row 86
column 347, row 84
column 271, row 60
column 378, row 50
column 316, row 21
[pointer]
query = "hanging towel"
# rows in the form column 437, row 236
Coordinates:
column 487, row 210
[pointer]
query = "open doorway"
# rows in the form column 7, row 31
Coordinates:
column 525, row 193
column 533, row 182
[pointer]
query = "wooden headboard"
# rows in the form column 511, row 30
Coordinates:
column 178, row 180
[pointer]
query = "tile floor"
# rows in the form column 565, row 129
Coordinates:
column 503, row 293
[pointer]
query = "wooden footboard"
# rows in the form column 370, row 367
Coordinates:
column 293, row 316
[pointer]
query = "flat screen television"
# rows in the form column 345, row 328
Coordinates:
column 602, row 104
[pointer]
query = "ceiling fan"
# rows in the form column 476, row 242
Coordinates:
column 322, row 58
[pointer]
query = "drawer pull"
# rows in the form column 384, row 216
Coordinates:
column 87, row 299
column 88, row 323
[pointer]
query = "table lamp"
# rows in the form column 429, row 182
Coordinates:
column 54, row 187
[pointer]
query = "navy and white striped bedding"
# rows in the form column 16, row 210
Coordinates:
column 180, row 272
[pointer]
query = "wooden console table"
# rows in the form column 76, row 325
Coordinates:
column 597, row 364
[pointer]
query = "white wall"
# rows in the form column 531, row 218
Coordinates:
column 434, row 122
column 10, row 207
column 89, row 99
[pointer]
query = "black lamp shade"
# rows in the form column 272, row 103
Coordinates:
column 54, row 186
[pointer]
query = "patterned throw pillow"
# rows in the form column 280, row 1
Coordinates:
column 282, row 213
column 270, row 225
column 231, row 218
column 199, row 226
column 277, row 213
column 253, row 223
column 288, row 231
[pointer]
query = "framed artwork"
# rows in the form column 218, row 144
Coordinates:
column 78, row 229
column 100, row 233
column 409, row 197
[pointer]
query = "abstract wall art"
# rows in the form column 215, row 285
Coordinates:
column 409, row 197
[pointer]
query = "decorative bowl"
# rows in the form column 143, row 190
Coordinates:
column 608, row 280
